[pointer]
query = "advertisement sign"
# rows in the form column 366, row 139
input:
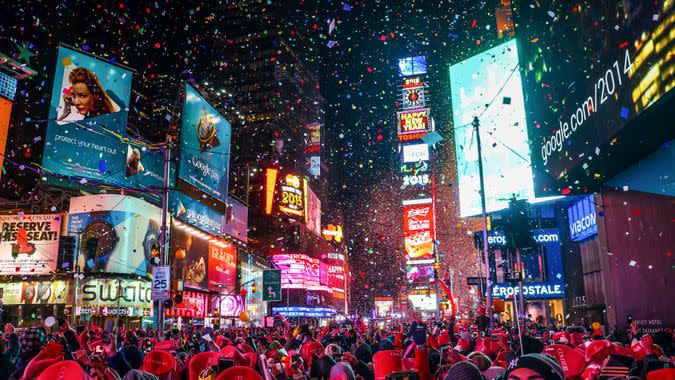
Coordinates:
column 193, row 306
column 118, row 233
column 5, row 114
column 582, row 109
column 383, row 306
column 315, row 166
column 413, row 121
column 475, row 82
column 196, row 213
column 35, row 293
column 313, row 138
column 307, row 312
column 333, row 272
column 29, row 244
column 333, row 232
column 415, row 152
column 8, row 86
column 413, row 97
column 412, row 66
column 236, row 222
column 222, row 264
column 230, row 306
column 205, row 146
column 582, row 219
column 189, row 254
column 120, row 292
column 313, row 212
column 423, row 301
column 161, row 282
column 298, row 271
column 418, row 230
column 87, row 124
column 285, row 194
column 420, row 273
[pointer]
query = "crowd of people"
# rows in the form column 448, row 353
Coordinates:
column 416, row 349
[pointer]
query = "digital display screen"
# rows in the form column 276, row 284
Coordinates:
column 590, row 69
column 419, row 230
column 413, row 121
column 412, row 66
column 383, row 307
column 298, row 271
column 582, row 219
column 421, row 273
column 286, row 194
column 475, row 82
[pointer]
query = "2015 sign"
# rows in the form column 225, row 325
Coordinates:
column 416, row 180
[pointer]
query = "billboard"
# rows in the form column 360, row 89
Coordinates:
column 415, row 152
column 205, row 146
column 36, row 293
column 413, row 97
column 298, row 271
column 285, row 194
column 118, row 233
column 114, row 292
column 420, row 273
column 425, row 301
column 313, row 138
column 413, row 121
column 412, row 66
column 579, row 109
column 313, row 212
column 419, row 230
column 475, row 82
column 222, row 264
column 230, row 306
column 333, row 272
column 29, row 244
column 383, row 306
column 86, row 129
column 189, row 254
column 582, row 219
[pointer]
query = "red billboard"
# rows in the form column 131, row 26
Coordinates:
column 413, row 121
column 333, row 272
column 222, row 264
column 419, row 230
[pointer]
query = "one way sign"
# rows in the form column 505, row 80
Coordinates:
column 272, row 285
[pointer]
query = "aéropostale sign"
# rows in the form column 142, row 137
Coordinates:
column 29, row 244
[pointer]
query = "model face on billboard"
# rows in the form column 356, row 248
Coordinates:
column 86, row 94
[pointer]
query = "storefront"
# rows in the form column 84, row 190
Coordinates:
column 542, row 273
column 29, row 302
column 122, row 300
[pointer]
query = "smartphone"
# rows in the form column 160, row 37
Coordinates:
column 225, row 363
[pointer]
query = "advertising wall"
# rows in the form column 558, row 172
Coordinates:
column 193, row 306
column 412, row 66
column 234, row 224
column 418, row 230
column 622, row 66
column 313, row 212
column 190, row 249
column 333, row 273
column 29, row 244
column 413, row 121
column 230, row 306
column 582, row 219
column 285, row 194
column 383, row 306
column 222, row 264
column 36, row 292
column 298, row 271
column 117, row 233
column 87, row 123
column 205, row 146
column 492, row 77
column 119, row 296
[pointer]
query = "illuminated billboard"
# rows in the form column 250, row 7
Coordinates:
column 413, row 121
column 313, row 214
column 298, row 271
column 419, row 230
column 222, row 265
column 412, row 66
column 313, row 138
column 475, row 82
column 415, row 153
column 383, row 306
column 285, row 194
column 420, row 273
column 581, row 110
column 29, row 244
column 422, row 299
column 86, row 133
column 333, row 272
column 413, row 97
column 205, row 146
column 117, row 233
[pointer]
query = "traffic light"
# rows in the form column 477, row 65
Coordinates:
column 253, row 288
column 517, row 225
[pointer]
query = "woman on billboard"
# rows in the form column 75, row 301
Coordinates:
column 86, row 95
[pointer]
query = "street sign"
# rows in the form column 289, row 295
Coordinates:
column 161, row 283
column 513, row 276
column 475, row 281
column 271, row 285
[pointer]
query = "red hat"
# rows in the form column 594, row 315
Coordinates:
column 638, row 354
column 239, row 373
column 408, row 363
column 625, row 351
column 489, row 347
column 221, row 341
column 198, row 363
column 385, row 362
column 232, row 353
column 576, row 338
column 166, row 345
column 571, row 360
column 662, row 374
column 307, row 350
column 557, row 336
column 245, row 347
column 591, row 371
column 444, row 338
column 252, row 358
column 158, row 363
column 67, row 369
column 598, row 350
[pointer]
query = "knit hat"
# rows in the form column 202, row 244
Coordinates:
column 32, row 340
column 547, row 368
column 532, row 345
column 464, row 371
column 135, row 374
column 333, row 350
column 493, row 372
column 481, row 360
column 386, row 344
column 342, row 371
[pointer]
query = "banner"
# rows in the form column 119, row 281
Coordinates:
column 118, row 233
column 205, row 146
column 114, row 292
column 313, row 139
column 35, row 293
column 29, row 244
column 222, row 264
column 418, row 230
column 87, row 124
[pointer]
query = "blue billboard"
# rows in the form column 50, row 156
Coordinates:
column 86, row 128
column 205, row 146
column 582, row 219
column 412, row 66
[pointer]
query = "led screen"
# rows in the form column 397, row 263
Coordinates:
column 205, row 146
column 590, row 69
column 493, row 78
column 419, row 230
column 412, row 66
column 298, row 271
